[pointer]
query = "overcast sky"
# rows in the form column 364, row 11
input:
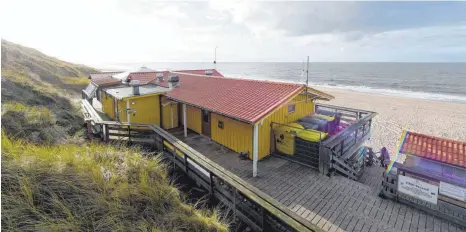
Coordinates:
column 97, row 32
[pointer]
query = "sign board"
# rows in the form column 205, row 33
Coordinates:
column 418, row 189
column 453, row 191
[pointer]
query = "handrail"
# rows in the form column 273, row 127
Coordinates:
column 343, row 108
column 270, row 204
column 91, row 111
column 334, row 140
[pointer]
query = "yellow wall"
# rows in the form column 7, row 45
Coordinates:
column 282, row 116
column 147, row 109
column 122, row 111
column 234, row 135
column 194, row 119
column 107, row 105
column 168, row 111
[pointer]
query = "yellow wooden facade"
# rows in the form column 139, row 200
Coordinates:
column 194, row 119
column 146, row 109
column 169, row 114
column 108, row 105
column 122, row 110
column 281, row 115
column 235, row 135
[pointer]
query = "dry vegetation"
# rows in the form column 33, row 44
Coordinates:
column 52, row 181
column 92, row 187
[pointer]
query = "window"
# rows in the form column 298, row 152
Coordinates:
column 220, row 124
column 291, row 108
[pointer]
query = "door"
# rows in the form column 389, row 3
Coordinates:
column 206, row 123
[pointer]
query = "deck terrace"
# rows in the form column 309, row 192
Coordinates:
column 332, row 203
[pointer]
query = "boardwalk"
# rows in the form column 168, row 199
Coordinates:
column 332, row 203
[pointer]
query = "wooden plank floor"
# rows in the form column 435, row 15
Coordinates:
column 332, row 203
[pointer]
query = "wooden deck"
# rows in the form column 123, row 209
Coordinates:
column 332, row 203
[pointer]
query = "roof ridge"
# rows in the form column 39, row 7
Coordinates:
column 436, row 137
column 195, row 69
column 106, row 72
column 242, row 79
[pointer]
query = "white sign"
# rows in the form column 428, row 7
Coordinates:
column 417, row 188
column 453, row 191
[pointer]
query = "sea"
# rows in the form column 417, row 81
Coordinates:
column 432, row 81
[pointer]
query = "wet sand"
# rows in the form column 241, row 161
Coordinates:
column 443, row 119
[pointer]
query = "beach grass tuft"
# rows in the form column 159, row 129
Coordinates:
column 93, row 187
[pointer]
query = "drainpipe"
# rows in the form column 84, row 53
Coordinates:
column 127, row 111
column 184, row 121
column 171, row 113
column 255, row 149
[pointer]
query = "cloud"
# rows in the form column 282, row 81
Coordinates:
column 106, row 31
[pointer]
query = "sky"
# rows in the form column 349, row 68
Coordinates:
column 109, row 32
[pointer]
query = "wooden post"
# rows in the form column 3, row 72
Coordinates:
column 107, row 136
column 89, row 130
column 184, row 121
column 129, row 133
column 255, row 149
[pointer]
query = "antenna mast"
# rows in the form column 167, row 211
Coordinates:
column 215, row 57
column 307, row 77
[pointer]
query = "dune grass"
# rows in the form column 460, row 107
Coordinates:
column 83, row 81
column 93, row 187
column 33, row 114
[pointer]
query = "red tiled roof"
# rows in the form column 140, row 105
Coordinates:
column 102, row 75
column 243, row 99
column 435, row 148
column 145, row 77
column 106, row 81
column 201, row 72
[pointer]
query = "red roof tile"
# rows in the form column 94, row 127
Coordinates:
column 243, row 99
column 144, row 77
column 102, row 75
column 435, row 148
column 201, row 72
column 106, row 81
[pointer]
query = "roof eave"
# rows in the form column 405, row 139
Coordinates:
column 278, row 104
column 320, row 95
column 213, row 111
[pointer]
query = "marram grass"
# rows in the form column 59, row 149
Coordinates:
column 93, row 187
column 34, row 114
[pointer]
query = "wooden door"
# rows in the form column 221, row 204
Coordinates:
column 206, row 123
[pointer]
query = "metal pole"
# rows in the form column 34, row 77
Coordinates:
column 307, row 77
column 215, row 57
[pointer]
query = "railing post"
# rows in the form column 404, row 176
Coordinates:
column 129, row 133
column 102, row 134
column 211, row 185
column 107, row 136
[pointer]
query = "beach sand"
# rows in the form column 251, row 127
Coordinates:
column 435, row 118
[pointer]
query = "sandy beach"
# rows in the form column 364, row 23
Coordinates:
column 435, row 118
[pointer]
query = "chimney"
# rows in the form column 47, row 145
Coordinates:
column 173, row 81
column 159, row 77
column 209, row 72
column 135, row 84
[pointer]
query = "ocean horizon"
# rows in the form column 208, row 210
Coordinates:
column 431, row 81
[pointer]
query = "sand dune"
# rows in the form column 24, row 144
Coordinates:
column 435, row 118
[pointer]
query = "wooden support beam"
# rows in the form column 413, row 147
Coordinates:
column 185, row 121
column 255, row 149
